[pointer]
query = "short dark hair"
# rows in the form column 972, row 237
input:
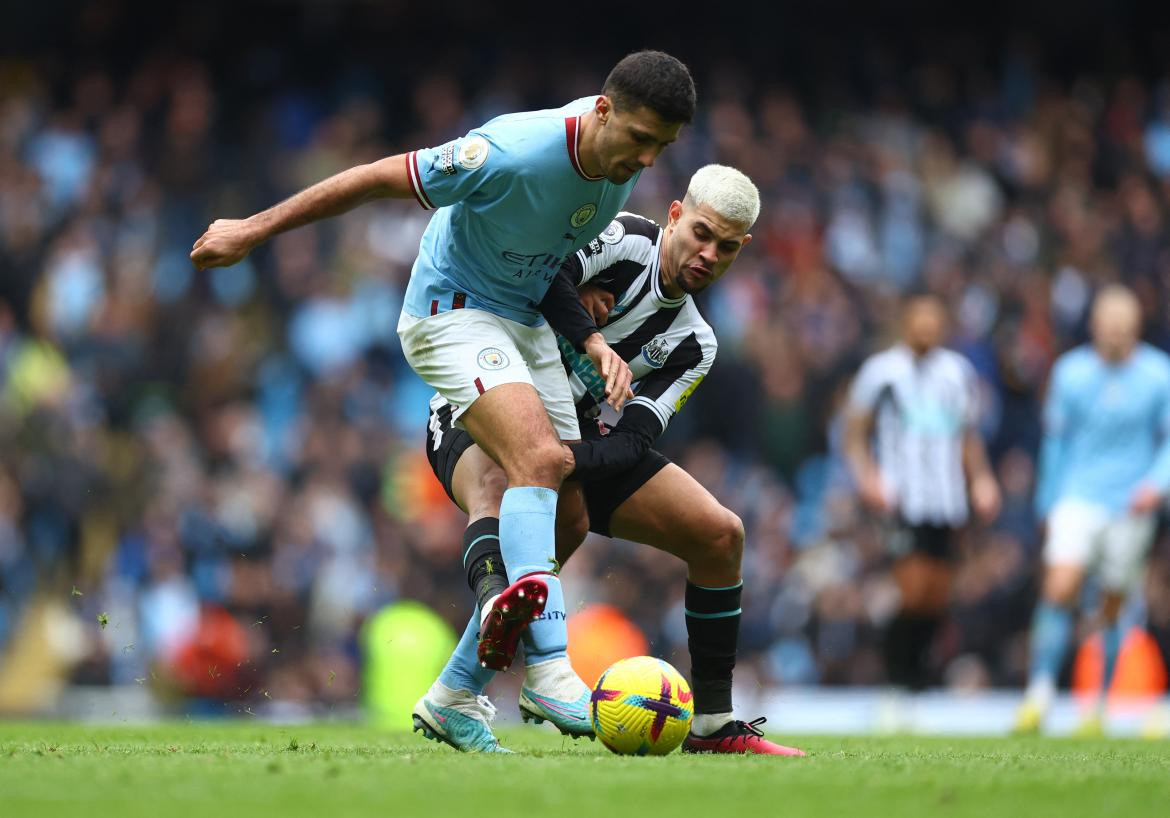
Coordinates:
column 655, row 80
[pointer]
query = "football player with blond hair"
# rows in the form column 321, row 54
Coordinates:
column 637, row 280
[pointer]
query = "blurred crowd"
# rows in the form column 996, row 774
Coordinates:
column 237, row 455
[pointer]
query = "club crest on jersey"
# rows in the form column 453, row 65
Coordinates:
column 655, row 352
column 583, row 215
column 614, row 233
column 492, row 358
column 473, row 152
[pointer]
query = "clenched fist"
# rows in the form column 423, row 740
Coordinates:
column 225, row 242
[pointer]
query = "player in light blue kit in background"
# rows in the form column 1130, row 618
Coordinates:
column 1104, row 472
column 514, row 197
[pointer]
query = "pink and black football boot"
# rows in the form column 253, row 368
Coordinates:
column 511, row 612
column 738, row 738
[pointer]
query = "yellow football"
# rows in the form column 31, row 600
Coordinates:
column 642, row 706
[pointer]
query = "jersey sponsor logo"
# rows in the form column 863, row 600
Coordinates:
column 614, row 233
column 492, row 358
column 593, row 248
column 447, row 159
column 473, row 152
column 532, row 264
column 655, row 352
column 583, row 215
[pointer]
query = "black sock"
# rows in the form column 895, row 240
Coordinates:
column 906, row 648
column 483, row 560
column 713, row 616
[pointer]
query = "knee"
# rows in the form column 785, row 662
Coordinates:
column 542, row 465
column 1060, row 590
column 1111, row 607
column 726, row 543
column 924, row 585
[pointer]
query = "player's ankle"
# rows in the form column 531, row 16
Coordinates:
column 1040, row 693
column 705, row 724
column 548, row 672
column 442, row 694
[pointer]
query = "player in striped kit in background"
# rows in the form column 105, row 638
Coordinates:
column 920, row 465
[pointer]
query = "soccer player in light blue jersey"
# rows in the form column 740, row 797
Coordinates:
column 1104, row 471
column 513, row 198
column 639, row 281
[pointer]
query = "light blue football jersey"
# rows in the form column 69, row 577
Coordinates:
column 512, row 202
column 1106, row 428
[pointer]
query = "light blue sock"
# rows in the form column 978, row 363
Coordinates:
column 548, row 637
column 463, row 670
column 1051, row 630
column 528, row 542
column 528, row 517
column 1111, row 649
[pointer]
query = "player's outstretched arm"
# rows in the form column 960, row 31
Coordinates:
column 227, row 241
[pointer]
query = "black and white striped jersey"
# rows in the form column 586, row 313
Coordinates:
column 922, row 409
column 666, row 342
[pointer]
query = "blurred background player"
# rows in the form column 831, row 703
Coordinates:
column 1104, row 472
column 638, row 281
column 514, row 198
column 919, row 463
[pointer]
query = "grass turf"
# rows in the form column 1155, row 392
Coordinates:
column 253, row 769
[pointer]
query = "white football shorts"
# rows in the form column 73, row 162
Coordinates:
column 1088, row 535
column 463, row 353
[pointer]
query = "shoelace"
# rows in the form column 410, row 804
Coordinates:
column 752, row 727
column 742, row 727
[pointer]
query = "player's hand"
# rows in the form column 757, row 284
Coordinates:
column 872, row 490
column 597, row 302
column 611, row 367
column 1145, row 499
column 985, row 497
column 225, row 242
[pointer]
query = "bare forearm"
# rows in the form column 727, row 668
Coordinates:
column 857, row 453
column 975, row 464
column 226, row 241
column 333, row 196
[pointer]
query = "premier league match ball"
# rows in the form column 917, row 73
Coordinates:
column 642, row 706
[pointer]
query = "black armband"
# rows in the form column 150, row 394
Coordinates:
column 563, row 310
column 625, row 445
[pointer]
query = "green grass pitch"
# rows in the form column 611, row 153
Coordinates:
column 330, row 771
